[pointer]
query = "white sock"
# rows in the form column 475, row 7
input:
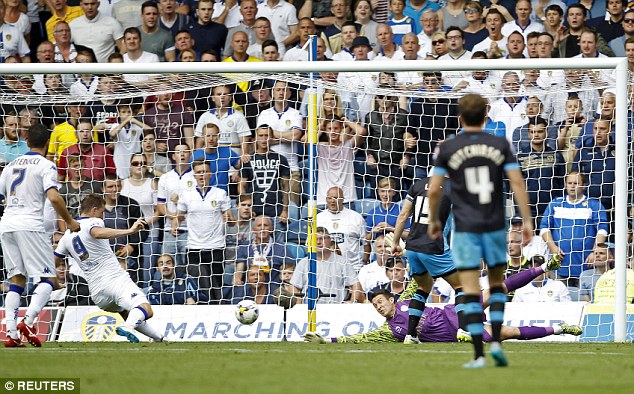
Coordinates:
column 149, row 331
column 135, row 317
column 11, row 307
column 39, row 299
column 557, row 330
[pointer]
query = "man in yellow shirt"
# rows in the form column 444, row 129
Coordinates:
column 239, row 44
column 63, row 134
column 61, row 13
column 605, row 288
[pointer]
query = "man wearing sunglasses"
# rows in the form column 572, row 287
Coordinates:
column 609, row 25
column 618, row 43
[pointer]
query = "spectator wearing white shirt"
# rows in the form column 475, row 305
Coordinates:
column 170, row 185
column 523, row 22
column 484, row 83
column 228, row 13
column 12, row 42
column 298, row 52
column 346, row 227
column 542, row 289
column 263, row 32
column 335, row 280
column 134, row 54
column 412, row 80
column 206, row 206
column 495, row 44
column 510, row 109
column 353, row 80
column 373, row 274
column 233, row 126
column 99, row 32
column 86, row 85
column 387, row 49
column 65, row 51
column 455, row 44
column 283, row 18
column 588, row 45
column 430, row 24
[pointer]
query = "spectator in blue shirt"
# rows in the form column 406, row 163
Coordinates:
column 262, row 251
column 220, row 158
column 11, row 146
column 172, row 288
column 382, row 219
column 603, row 257
column 414, row 9
column 572, row 226
column 257, row 288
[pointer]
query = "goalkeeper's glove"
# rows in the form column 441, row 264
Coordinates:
column 389, row 238
column 314, row 338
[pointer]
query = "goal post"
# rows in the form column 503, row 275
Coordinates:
column 211, row 74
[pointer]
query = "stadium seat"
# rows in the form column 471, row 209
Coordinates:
column 303, row 211
column 293, row 210
column 297, row 231
column 295, row 251
column 365, row 205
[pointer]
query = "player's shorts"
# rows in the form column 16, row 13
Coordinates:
column 470, row 248
column 119, row 294
column 436, row 264
column 28, row 253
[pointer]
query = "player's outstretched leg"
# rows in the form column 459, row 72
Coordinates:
column 570, row 329
column 525, row 277
column 11, row 306
column 146, row 329
column 527, row 333
column 39, row 299
column 136, row 320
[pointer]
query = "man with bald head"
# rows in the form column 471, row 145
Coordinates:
column 248, row 10
column 239, row 45
column 346, row 227
column 410, row 48
column 387, row 49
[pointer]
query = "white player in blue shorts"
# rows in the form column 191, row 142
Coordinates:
column 110, row 286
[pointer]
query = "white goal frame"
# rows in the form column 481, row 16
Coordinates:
column 620, row 65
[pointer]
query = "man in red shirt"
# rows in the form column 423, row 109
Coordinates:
column 96, row 158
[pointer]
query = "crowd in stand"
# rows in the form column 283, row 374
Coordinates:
column 221, row 175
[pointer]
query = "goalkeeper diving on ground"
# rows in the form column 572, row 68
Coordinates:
column 441, row 324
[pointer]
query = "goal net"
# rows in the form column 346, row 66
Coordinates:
column 218, row 164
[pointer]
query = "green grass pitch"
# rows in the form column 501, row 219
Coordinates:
column 185, row 368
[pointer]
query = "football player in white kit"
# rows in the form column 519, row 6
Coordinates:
column 25, row 184
column 110, row 286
